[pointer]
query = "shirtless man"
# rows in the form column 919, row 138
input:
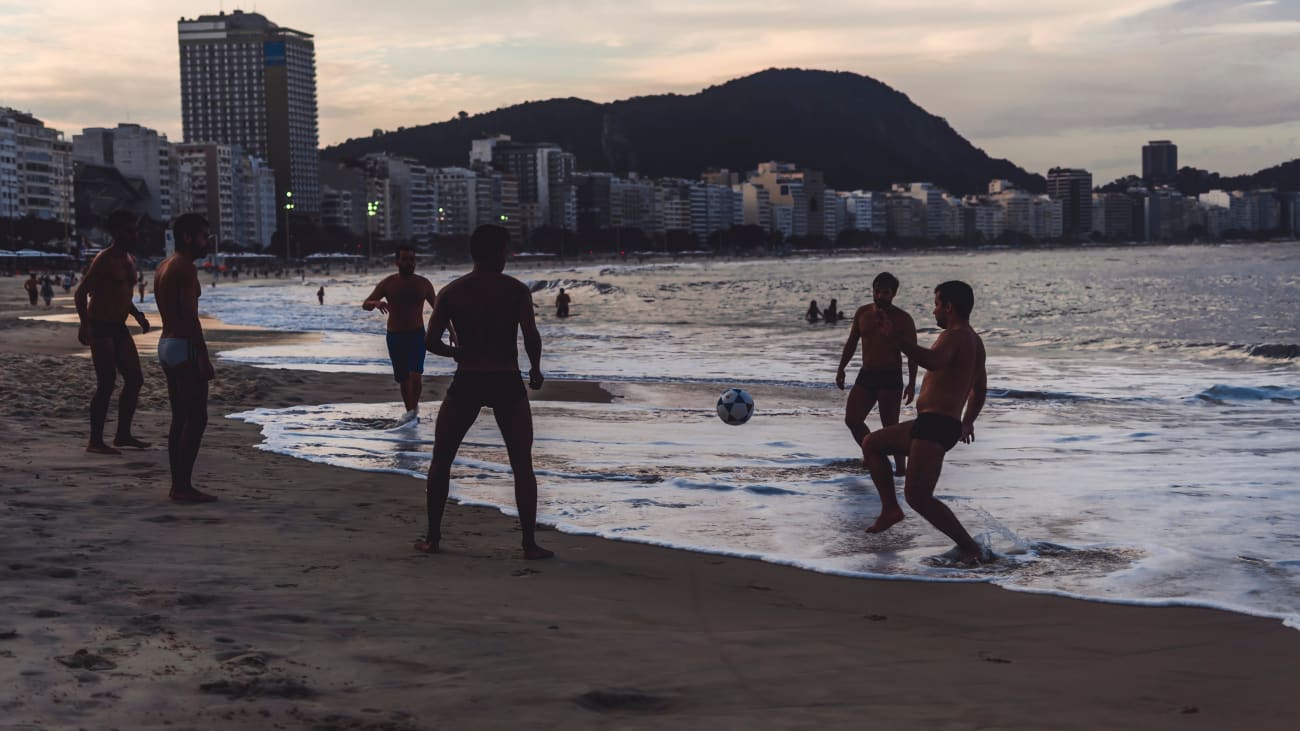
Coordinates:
column 103, row 302
column 880, row 380
column 488, row 310
column 183, row 353
column 401, row 296
column 33, row 288
column 562, row 301
column 955, row 378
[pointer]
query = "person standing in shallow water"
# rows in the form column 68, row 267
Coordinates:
column 562, row 301
column 488, row 310
column 104, row 299
column 955, row 379
column 320, row 295
column 402, row 296
column 183, row 354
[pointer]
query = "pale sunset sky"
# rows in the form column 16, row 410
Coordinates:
column 1078, row 83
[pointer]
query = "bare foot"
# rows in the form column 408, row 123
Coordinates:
column 130, row 442
column 884, row 520
column 190, row 496
column 101, row 448
column 975, row 557
column 426, row 546
column 536, row 553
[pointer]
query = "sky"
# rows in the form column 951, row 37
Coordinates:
column 1074, row 83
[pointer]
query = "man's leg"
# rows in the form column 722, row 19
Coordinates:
column 516, row 424
column 455, row 417
column 105, row 360
column 891, row 402
column 192, row 404
column 875, row 450
column 922, row 477
column 128, row 363
column 177, row 425
column 411, row 390
column 855, row 412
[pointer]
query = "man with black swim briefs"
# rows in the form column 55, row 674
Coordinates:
column 104, row 299
column 401, row 296
column 880, row 380
column 183, row 354
column 955, row 378
column 488, row 310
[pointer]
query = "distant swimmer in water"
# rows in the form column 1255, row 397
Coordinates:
column 320, row 294
column 832, row 313
column 814, row 313
column 562, row 303
column 955, row 378
column 489, row 310
column 402, row 297
column 880, row 379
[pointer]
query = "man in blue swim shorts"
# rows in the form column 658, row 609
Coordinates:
column 402, row 296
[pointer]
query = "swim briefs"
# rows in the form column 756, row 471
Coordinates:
column 880, row 379
column 109, row 329
column 939, row 428
column 406, row 351
column 173, row 352
column 492, row 389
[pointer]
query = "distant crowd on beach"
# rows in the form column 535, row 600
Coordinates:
column 477, row 321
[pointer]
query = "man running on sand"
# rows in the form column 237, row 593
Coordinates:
column 103, row 302
column 488, row 310
column 880, row 380
column 955, row 377
column 401, row 296
column 183, row 353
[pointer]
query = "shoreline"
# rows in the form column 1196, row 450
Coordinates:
column 296, row 600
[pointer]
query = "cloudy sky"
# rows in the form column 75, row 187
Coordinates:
column 1080, row 83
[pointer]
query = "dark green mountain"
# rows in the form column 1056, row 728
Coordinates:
column 858, row 131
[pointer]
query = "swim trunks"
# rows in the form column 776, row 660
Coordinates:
column 406, row 351
column 108, row 329
column 939, row 428
column 494, row 390
column 173, row 352
column 880, row 379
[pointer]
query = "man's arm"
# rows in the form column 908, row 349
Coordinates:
column 909, row 336
column 850, row 347
column 82, row 296
column 932, row 359
column 135, row 311
column 376, row 298
column 978, row 390
column 438, row 324
column 532, row 338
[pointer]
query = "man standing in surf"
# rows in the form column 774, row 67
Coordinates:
column 401, row 296
column 488, row 310
column 955, row 379
column 880, row 380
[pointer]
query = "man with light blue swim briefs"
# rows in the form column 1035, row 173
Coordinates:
column 402, row 296
column 183, row 353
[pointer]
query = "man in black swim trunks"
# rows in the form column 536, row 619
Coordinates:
column 104, row 299
column 402, row 296
column 880, row 380
column 488, row 310
column 955, row 379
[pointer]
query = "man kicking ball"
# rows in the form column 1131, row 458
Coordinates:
column 401, row 296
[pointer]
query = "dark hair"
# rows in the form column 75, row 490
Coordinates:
column 885, row 280
column 187, row 225
column 487, row 242
column 120, row 218
column 959, row 295
column 403, row 247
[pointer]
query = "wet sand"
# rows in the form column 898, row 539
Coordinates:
column 297, row 602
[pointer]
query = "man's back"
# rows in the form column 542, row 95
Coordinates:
column 945, row 390
column 486, row 309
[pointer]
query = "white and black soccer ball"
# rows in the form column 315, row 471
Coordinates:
column 735, row 406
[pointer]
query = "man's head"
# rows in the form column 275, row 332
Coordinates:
column 405, row 255
column 489, row 246
column 124, row 226
column 190, row 230
column 953, row 302
column 883, row 289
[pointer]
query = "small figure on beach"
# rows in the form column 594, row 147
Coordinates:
column 562, row 301
column 814, row 312
column 955, row 378
column 33, row 288
column 402, row 296
column 103, row 302
column 183, row 354
column 320, row 295
column 69, row 279
column 880, row 379
column 832, row 314
column 488, row 310
column 140, row 285
column 47, row 290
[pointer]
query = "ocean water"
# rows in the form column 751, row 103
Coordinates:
column 1140, row 444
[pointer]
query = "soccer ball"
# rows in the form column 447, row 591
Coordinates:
column 735, row 406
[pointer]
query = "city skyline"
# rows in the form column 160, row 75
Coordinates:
column 1057, row 84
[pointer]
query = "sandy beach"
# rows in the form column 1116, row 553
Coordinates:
column 297, row 602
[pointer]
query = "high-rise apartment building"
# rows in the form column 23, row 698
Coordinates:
column 35, row 168
column 249, row 82
column 1074, row 189
column 1159, row 162
column 140, row 154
